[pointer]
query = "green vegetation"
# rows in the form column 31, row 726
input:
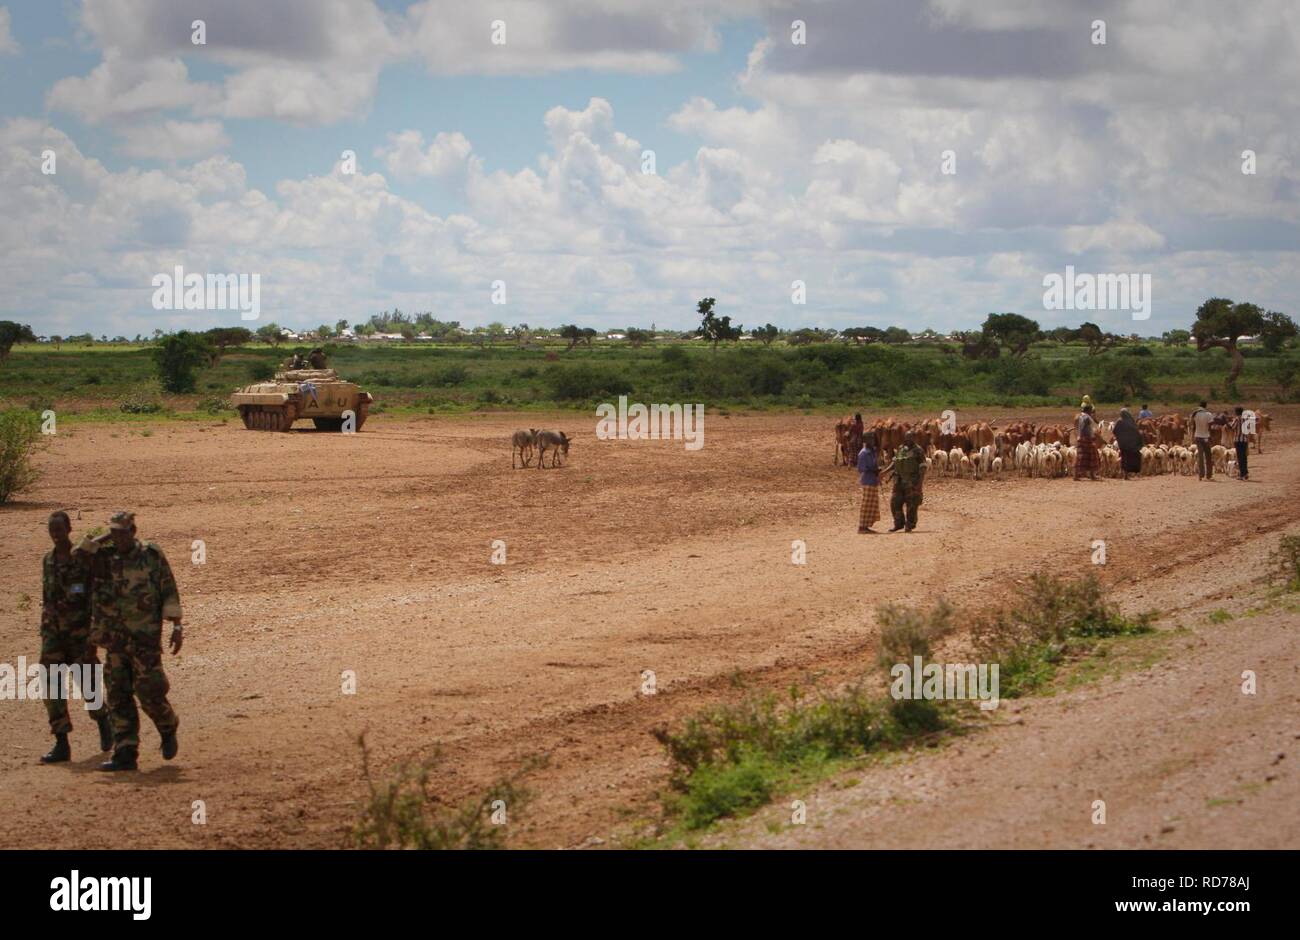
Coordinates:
column 19, row 433
column 178, row 356
column 736, row 757
column 824, row 375
column 1049, row 621
column 403, row 812
column 438, row 367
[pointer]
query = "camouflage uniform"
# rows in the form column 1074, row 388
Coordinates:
column 907, row 486
column 65, row 626
column 133, row 593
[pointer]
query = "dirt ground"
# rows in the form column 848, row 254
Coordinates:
column 373, row 553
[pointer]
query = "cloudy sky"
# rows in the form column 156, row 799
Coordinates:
column 523, row 161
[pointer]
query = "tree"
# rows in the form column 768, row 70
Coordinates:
column 977, row 345
column 1123, row 379
column 340, row 326
column 1284, row 374
column 896, row 334
column 407, row 331
column 572, row 333
column 57, row 341
column 864, row 334
column 1220, row 323
column 715, row 329
column 11, row 333
column 222, row 338
column 765, row 334
column 177, row 356
column 1094, row 338
column 1278, row 328
column 637, row 337
column 1176, row 337
column 1011, row 331
column 270, row 333
column 495, row 331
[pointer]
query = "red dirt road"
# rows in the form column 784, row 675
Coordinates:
column 372, row 553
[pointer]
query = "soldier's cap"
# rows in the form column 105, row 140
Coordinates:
column 122, row 520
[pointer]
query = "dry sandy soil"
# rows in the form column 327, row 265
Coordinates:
column 372, row 553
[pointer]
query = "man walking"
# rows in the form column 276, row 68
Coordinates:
column 65, row 637
column 1241, row 442
column 1202, row 422
column 909, row 473
column 134, row 593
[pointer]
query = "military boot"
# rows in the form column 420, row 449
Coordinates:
column 105, row 730
column 124, row 758
column 60, row 752
column 169, row 745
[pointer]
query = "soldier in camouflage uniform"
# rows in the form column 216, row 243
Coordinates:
column 134, row 591
column 909, row 472
column 65, row 634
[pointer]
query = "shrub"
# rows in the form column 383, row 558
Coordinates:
column 260, row 371
column 177, row 356
column 1038, row 630
column 403, row 812
column 215, row 405
column 585, row 382
column 141, row 401
column 19, row 433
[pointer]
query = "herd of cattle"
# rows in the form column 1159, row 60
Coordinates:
column 984, row 449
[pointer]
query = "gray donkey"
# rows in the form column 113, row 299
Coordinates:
column 523, row 442
column 557, row 442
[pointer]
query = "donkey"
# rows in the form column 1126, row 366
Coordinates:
column 524, row 443
column 557, row 442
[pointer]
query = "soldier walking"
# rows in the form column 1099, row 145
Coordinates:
column 134, row 593
column 909, row 473
column 65, row 635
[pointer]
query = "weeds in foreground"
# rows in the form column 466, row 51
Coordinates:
column 403, row 811
column 1049, row 620
column 736, row 757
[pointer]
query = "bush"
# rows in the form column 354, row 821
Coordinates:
column 215, row 405
column 260, row 371
column 19, row 433
column 141, row 401
column 1010, row 376
column 1034, row 635
column 403, row 812
column 585, row 382
column 177, row 356
column 1122, row 381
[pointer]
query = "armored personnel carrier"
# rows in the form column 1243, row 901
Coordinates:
column 318, row 394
